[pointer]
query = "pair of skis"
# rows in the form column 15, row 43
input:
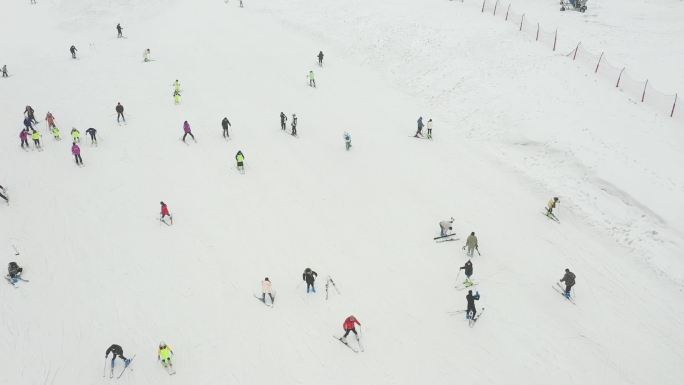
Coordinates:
column 558, row 288
column 263, row 300
column 550, row 215
column 353, row 349
column 15, row 280
column 327, row 284
column 111, row 369
column 446, row 238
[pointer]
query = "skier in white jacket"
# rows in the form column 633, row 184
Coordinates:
column 266, row 288
column 445, row 226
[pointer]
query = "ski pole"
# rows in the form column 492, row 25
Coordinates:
column 478, row 251
column 457, row 275
column 104, row 369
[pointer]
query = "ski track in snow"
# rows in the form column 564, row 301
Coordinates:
column 507, row 137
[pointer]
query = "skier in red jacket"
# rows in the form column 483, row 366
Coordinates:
column 349, row 326
column 165, row 212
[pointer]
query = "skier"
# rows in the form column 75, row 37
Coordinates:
column 283, row 120
column 187, row 131
column 347, row 140
column 4, row 71
column 468, row 267
column 569, row 279
column 35, row 135
column 73, row 51
column 146, row 55
column 119, row 31
column 55, row 133
column 309, row 276
column 23, row 135
column 294, row 125
column 429, row 128
column 28, row 124
column 50, row 119
column 349, row 326
column 176, row 97
column 165, row 212
column 75, row 135
column 420, row 128
column 445, row 226
column 552, row 205
column 312, row 80
column 3, row 194
column 13, row 270
column 225, row 123
column 76, row 152
column 266, row 288
column 471, row 310
column 92, row 132
column 117, row 351
column 240, row 158
column 176, row 86
column 164, row 355
column 471, row 243
column 30, row 113
column 119, row 112
column 320, row 58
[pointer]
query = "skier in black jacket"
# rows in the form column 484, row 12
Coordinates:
column 225, row 123
column 117, row 351
column 119, row 31
column 283, row 120
column 569, row 279
column 92, row 132
column 471, row 310
column 309, row 276
column 468, row 267
column 13, row 270
column 320, row 58
column 73, row 51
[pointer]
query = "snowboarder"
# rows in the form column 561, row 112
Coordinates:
column 119, row 31
column 420, row 127
column 76, row 152
column 187, row 131
column 445, row 226
column 35, row 135
column 552, row 205
column 165, row 212
column 240, row 158
column 312, row 80
column 283, row 120
column 309, row 276
column 225, row 123
column 23, row 135
column 117, row 351
column 471, row 310
column 147, row 55
column 75, row 135
column 429, row 128
column 73, row 51
column 320, row 58
column 349, row 325
column 3, row 194
column 164, row 354
column 50, row 119
column 30, row 113
column 4, row 71
column 347, row 140
column 569, row 279
column 294, row 125
column 176, row 97
column 468, row 267
column 119, row 112
column 92, row 132
column 55, row 133
column 14, row 270
column 266, row 288
column 471, row 244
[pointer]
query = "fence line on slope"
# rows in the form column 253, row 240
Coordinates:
column 636, row 90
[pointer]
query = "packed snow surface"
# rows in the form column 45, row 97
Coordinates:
column 514, row 125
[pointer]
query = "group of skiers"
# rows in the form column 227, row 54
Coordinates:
column 293, row 123
column 419, row 131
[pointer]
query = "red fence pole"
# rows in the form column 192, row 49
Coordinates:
column 555, row 39
column 508, row 10
column 521, row 21
column 576, row 48
column 643, row 94
column 673, row 106
column 537, row 38
column 599, row 62
column 619, row 77
column 483, row 5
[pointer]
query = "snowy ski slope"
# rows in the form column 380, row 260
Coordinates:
column 103, row 269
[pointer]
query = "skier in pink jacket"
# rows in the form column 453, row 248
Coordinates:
column 23, row 135
column 187, row 131
column 76, row 152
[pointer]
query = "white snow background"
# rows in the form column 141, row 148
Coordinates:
column 515, row 124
